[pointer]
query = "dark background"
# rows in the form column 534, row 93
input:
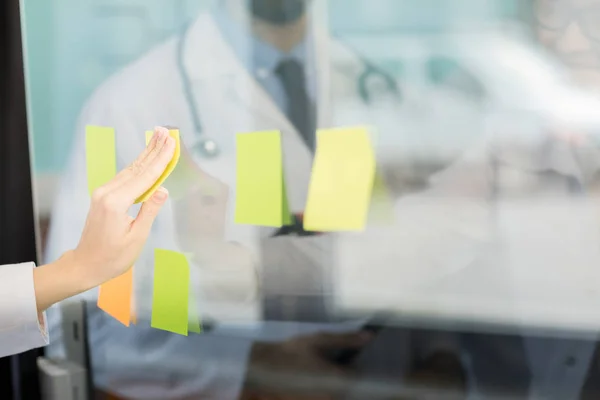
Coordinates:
column 18, row 374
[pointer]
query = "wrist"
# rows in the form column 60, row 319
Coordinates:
column 59, row 280
column 75, row 273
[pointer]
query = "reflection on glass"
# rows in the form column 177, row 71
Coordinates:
column 477, row 272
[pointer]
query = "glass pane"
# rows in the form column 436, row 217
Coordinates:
column 375, row 199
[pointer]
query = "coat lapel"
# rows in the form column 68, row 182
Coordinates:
column 230, row 101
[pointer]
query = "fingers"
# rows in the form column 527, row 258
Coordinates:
column 158, row 139
column 341, row 340
column 141, row 226
column 147, row 172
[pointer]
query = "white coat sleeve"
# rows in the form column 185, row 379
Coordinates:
column 21, row 327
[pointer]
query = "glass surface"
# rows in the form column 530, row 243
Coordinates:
column 477, row 272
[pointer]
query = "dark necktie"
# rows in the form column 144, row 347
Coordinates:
column 301, row 112
column 300, row 109
column 294, row 296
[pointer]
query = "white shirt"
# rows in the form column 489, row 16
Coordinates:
column 21, row 327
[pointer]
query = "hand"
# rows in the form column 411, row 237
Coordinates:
column 300, row 368
column 111, row 239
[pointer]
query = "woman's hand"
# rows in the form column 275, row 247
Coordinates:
column 111, row 240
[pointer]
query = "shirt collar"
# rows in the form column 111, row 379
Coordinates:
column 258, row 57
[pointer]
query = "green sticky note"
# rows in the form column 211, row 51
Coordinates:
column 170, row 297
column 100, row 155
column 260, row 189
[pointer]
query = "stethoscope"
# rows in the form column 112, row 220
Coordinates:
column 209, row 148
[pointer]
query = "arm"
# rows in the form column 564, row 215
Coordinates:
column 22, row 328
column 109, row 245
column 58, row 281
column 26, row 292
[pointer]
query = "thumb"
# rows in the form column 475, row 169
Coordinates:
column 148, row 212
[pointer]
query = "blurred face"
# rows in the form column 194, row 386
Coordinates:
column 571, row 28
column 279, row 12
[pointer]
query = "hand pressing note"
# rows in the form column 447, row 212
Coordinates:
column 111, row 240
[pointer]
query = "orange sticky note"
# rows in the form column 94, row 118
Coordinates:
column 115, row 297
column 170, row 167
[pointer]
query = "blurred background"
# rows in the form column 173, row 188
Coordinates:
column 476, row 275
column 74, row 46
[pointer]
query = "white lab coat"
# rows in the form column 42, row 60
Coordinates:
column 149, row 93
column 143, row 95
column 21, row 327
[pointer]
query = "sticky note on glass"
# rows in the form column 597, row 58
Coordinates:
column 170, row 297
column 100, row 156
column 260, row 190
column 341, row 183
column 170, row 167
column 115, row 298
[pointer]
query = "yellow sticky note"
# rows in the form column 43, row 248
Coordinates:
column 100, row 152
column 115, row 298
column 341, row 181
column 170, row 297
column 170, row 167
column 260, row 190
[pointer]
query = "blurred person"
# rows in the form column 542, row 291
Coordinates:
column 250, row 66
column 570, row 29
column 551, row 365
column 506, row 207
column 246, row 66
column 108, row 247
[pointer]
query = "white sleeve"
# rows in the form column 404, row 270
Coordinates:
column 21, row 327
